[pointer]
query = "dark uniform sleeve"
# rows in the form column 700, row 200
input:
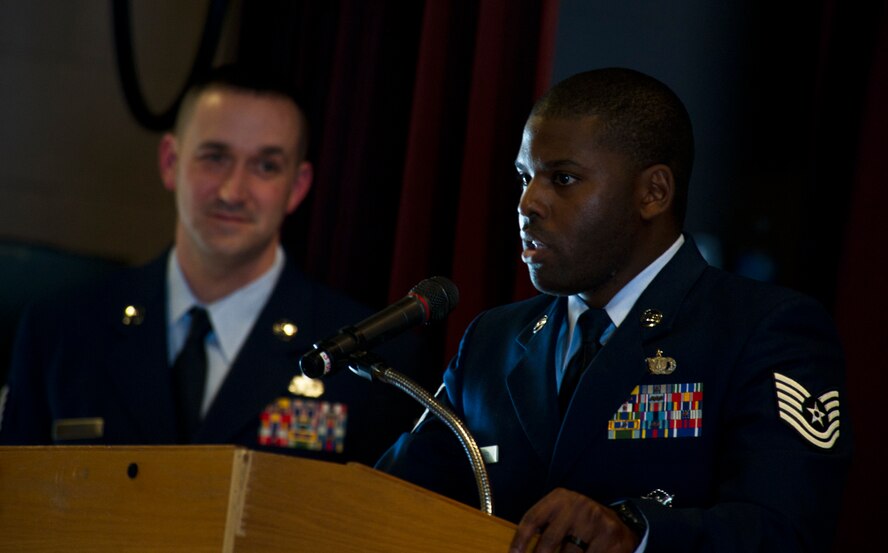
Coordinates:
column 26, row 418
column 786, row 445
column 432, row 457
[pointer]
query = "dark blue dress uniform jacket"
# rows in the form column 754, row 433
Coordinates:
column 74, row 358
column 749, row 482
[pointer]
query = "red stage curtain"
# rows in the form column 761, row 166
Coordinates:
column 477, row 227
column 416, row 112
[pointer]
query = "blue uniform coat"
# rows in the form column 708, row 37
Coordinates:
column 749, row 481
column 75, row 358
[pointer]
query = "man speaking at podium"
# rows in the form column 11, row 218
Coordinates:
column 202, row 345
column 646, row 401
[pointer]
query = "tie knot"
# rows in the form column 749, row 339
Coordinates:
column 592, row 323
column 200, row 324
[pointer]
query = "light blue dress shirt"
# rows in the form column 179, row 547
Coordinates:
column 232, row 318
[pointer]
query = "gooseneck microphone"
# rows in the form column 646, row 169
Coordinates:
column 430, row 300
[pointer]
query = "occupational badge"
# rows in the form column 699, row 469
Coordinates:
column 302, row 385
column 284, row 329
column 660, row 365
column 816, row 419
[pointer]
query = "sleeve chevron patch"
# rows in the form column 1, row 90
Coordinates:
column 816, row 419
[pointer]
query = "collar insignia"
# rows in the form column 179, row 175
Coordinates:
column 651, row 318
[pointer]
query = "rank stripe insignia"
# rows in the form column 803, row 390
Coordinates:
column 816, row 419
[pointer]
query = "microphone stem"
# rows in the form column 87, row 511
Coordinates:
column 390, row 376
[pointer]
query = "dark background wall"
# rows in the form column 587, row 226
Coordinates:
column 775, row 91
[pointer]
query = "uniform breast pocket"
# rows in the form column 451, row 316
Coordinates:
column 682, row 468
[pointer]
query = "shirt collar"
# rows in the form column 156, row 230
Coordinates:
column 233, row 316
column 620, row 305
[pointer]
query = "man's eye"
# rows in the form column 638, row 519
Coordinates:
column 212, row 157
column 523, row 179
column 268, row 167
column 563, row 179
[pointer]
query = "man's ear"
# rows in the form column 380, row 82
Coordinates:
column 656, row 191
column 167, row 157
column 300, row 186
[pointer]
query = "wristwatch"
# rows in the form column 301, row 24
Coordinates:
column 631, row 517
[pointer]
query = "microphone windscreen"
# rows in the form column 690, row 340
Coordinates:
column 441, row 295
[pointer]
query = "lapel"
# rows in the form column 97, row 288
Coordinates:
column 136, row 355
column 620, row 365
column 266, row 363
column 531, row 381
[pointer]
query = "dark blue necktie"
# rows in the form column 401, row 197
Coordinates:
column 190, row 375
column 591, row 325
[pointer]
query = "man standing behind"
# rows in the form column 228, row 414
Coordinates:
column 202, row 345
column 645, row 401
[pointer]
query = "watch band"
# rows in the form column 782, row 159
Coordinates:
column 631, row 517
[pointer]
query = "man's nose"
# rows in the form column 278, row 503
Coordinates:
column 531, row 204
column 234, row 187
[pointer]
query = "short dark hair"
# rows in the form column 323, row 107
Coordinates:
column 243, row 78
column 641, row 117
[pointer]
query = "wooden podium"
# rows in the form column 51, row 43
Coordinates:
column 222, row 498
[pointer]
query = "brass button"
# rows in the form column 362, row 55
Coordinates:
column 133, row 315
